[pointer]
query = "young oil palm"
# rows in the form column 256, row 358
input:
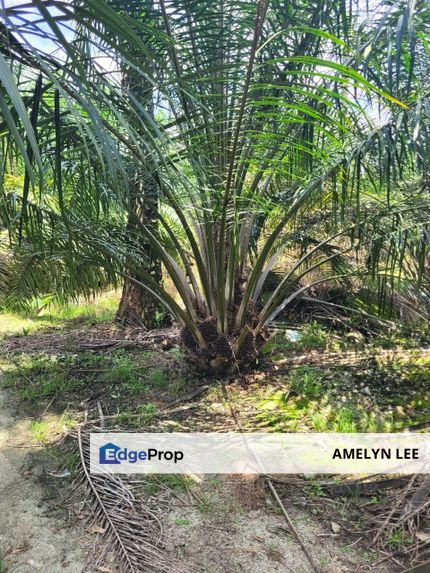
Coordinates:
column 262, row 115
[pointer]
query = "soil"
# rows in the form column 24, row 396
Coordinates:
column 237, row 528
column 224, row 537
column 32, row 536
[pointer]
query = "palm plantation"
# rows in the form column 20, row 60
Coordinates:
column 214, row 217
column 274, row 139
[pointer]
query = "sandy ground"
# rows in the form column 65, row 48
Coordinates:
column 32, row 535
column 231, row 539
column 227, row 536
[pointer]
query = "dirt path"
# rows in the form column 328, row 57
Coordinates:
column 32, row 536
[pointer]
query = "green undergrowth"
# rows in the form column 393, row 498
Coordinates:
column 133, row 385
column 373, row 398
column 314, row 336
column 126, row 380
column 157, row 482
column 44, row 314
column 309, row 337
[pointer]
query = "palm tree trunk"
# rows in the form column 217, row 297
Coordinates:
column 137, row 306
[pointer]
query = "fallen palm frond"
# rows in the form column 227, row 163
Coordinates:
column 98, row 337
column 129, row 529
column 419, row 498
column 403, row 523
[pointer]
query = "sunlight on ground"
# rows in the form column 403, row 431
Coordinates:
column 100, row 309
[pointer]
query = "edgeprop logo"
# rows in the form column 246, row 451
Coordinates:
column 112, row 454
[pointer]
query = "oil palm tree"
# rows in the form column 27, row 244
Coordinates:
column 265, row 112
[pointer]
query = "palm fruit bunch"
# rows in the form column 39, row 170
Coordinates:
column 222, row 346
column 188, row 339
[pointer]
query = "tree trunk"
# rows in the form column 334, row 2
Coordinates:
column 138, row 307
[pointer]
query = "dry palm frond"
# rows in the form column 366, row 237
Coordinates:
column 130, row 529
column 418, row 500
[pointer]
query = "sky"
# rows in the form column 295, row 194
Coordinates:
column 30, row 28
column 34, row 32
column 27, row 16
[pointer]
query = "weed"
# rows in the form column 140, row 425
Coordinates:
column 313, row 336
column 136, row 386
column 35, row 377
column 40, row 430
column 308, row 404
column 162, row 317
column 153, row 483
column 147, row 412
column 215, row 393
column 42, row 313
column 344, row 421
column 158, row 378
column 177, row 353
column 319, row 421
column 307, row 381
column 72, row 462
column 177, row 385
column 213, row 482
column 51, row 426
column 122, row 371
column 316, row 490
column 397, row 538
column 206, row 506
column 182, row 521
column 127, row 419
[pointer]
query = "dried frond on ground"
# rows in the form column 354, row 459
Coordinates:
column 122, row 518
column 97, row 337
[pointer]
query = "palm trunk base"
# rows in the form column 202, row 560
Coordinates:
column 137, row 307
column 219, row 356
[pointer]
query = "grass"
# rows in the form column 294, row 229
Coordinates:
column 178, row 521
column 379, row 398
column 41, row 376
column 40, row 430
column 398, row 537
column 72, row 461
column 42, row 315
column 132, row 378
column 157, row 482
column 48, row 428
column 206, row 506
column 307, row 381
column 299, row 413
column 122, row 370
column 147, row 412
column 313, row 336
column 403, row 337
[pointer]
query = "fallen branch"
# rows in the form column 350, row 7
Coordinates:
column 291, row 526
column 394, row 509
column 275, row 494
